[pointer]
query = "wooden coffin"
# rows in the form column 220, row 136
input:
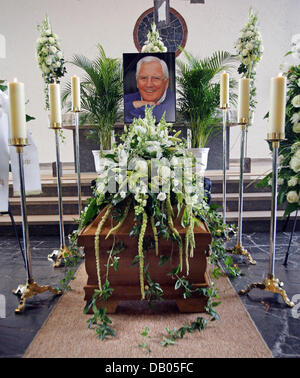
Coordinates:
column 125, row 281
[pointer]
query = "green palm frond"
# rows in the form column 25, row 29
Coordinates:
column 101, row 90
column 199, row 92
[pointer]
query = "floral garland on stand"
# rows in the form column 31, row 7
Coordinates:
column 250, row 50
column 289, row 150
column 153, row 201
column 154, row 42
column 49, row 57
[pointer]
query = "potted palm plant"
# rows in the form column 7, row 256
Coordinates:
column 101, row 94
column 199, row 94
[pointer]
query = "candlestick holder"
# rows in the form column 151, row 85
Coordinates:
column 238, row 249
column 271, row 283
column 76, row 112
column 224, row 161
column 59, row 255
column 31, row 288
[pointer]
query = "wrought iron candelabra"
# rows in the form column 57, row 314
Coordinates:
column 271, row 283
column 238, row 249
column 31, row 288
column 59, row 255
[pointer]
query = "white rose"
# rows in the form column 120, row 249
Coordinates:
column 295, row 146
column 295, row 164
column 292, row 196
column 161, row 196
column 296, row 127
column 296, row 101
column 53, row 49
column 293, row 181
column 249, row 46
column 295, row 117
column 245, row 52
column 51, row 40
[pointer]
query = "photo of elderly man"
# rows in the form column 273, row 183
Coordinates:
column 152, row 87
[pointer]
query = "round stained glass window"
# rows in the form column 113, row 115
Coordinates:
column 173, row 35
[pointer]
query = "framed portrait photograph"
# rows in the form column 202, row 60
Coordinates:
column 149, row 80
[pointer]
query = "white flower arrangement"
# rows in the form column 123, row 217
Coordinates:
column 49, row 56
column 147, row 143
column 250, row 49
column 154, row 42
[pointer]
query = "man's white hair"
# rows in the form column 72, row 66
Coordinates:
column 148, row 59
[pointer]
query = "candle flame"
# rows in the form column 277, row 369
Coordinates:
column 15, row 80
column 280, row 74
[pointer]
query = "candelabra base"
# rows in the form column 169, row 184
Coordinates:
column 58, row 255
column 238, row 249
column 29, row 290
column 271, row 284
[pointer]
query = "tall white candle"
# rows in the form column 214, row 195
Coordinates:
column 17, row 115
column 224, row 90
column 243, row 100
column 277, row 104
column 75, row 93
column 55, row 104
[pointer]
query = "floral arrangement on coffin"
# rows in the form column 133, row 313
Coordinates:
column 153, row 200
column 289, row 149
column 250, row 50
column 154, row 42
column 49, row 57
